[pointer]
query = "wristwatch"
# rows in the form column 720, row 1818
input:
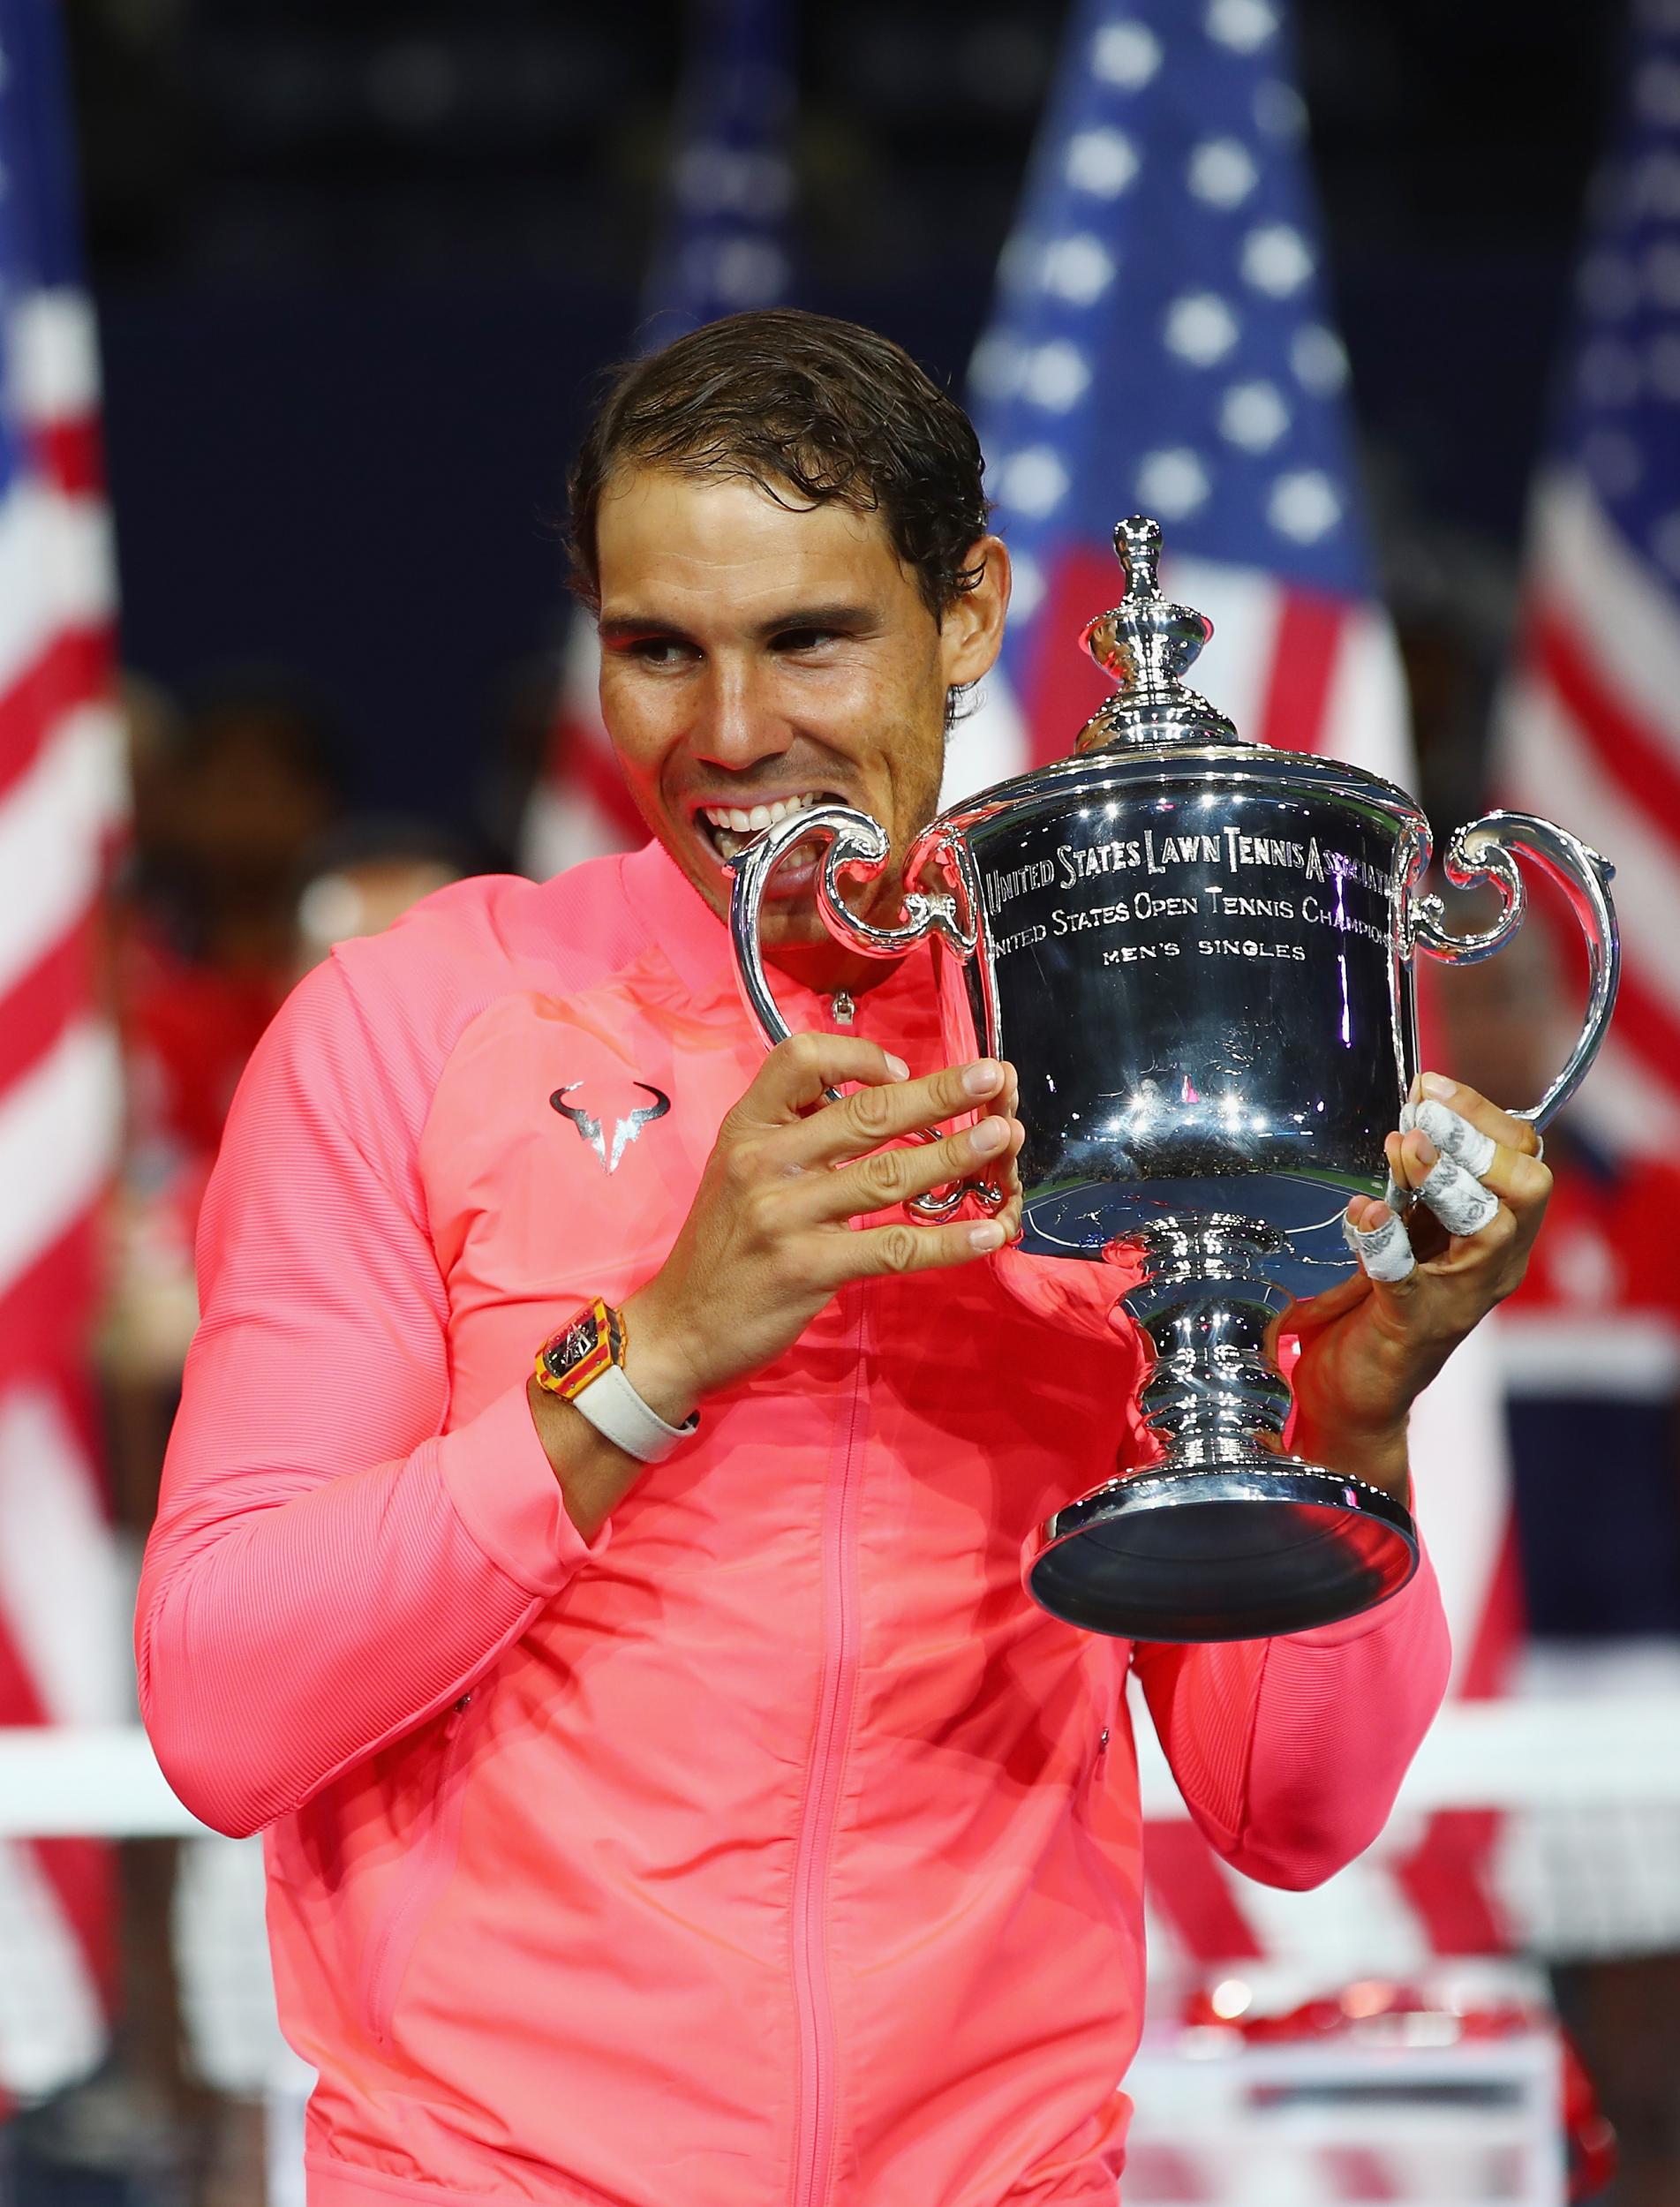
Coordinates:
column 584, row 1364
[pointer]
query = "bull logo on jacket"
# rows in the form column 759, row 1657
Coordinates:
column 591, row 1125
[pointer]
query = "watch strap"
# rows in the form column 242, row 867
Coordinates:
column 619, row 1415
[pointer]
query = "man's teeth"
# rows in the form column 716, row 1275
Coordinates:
column 758, row 816
column 735, row 826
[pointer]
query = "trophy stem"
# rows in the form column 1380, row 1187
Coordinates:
column 1225, row 1536
column 1207, row 1304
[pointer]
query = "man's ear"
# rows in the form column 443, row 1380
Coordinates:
column 971, row 631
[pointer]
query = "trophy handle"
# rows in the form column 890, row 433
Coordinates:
column 855, row 839
column 1486, row 850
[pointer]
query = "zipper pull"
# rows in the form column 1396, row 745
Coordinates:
column 841, row 1008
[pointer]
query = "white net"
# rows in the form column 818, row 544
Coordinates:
column 1565, row 1809
column 1547, row 1825
column 1591, row 1872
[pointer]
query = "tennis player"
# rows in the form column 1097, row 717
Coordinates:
column 589, row 1543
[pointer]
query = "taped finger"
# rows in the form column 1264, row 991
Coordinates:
column 1456, row 1138
column 1510, row 1132
column 1385, row 1251
column 1458, row 1199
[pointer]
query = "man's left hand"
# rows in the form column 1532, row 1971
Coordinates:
column 1371, row 1346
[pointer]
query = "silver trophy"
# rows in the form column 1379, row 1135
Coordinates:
column 1198, row 954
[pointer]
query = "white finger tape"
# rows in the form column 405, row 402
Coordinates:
column 1457, row 1200
column 1385, row 1253
column 1456, row 1137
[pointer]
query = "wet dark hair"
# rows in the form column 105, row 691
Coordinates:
column 809, row 409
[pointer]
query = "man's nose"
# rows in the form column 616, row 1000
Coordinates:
column 739, row 721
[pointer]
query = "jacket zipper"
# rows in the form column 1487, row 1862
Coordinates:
column 815, row 2104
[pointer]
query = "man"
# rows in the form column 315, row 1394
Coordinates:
column 662, row 1810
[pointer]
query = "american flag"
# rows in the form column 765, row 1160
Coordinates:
column 724, row 249
column 61, row 1601
column 1161, row 344
column 1590, row 729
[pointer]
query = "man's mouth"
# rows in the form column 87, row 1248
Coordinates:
column 732, row 829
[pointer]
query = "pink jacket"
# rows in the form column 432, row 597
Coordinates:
column 775, row 1847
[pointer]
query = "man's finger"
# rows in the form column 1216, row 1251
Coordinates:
column 797, row 1074
column 1458, row 1200
column 879, row 1114
column 1463, row 1142
column 1508, row 1131
column 1518, row 1178
column 903, row 1248
column 893, row 1176
column 1456, row 1197
column 1378, row 1238
column 1464, row 1203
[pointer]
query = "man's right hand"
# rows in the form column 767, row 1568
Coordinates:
column 771, row 1238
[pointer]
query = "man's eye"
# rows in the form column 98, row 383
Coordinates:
column 795, row 640
column 659, row 650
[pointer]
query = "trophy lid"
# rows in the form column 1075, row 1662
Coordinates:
column 1146, row 642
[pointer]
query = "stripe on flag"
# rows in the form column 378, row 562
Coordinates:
column 1589, row 726
column 53, row 817
column 61, row 1590
column 61, row 1658
column 57, row 1131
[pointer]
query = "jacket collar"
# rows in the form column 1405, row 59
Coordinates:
column 673, row 915
column 693, row 940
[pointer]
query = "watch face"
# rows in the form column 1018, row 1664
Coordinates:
column 573, row 1346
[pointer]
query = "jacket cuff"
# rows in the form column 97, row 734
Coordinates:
column 497, row 1473
column 1402, row 1612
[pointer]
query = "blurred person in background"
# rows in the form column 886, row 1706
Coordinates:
column 228, row 794
column 229, row 791
column 365, row 874
column 1590, row 1344
column 251, row 782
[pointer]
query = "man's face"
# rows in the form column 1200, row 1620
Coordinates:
column 755, row 658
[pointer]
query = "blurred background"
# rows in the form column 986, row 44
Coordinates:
column 357, row 269
column 1376, row 306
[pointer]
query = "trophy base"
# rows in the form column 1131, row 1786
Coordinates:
column 1233, row 1551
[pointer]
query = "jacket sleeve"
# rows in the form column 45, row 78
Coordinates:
column 326, row 1572
column 1289, row 1753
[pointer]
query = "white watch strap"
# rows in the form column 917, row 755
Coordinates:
column 619, row 1415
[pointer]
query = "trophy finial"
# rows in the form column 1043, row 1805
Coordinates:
column 1137, row 546
column 1147, row 643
